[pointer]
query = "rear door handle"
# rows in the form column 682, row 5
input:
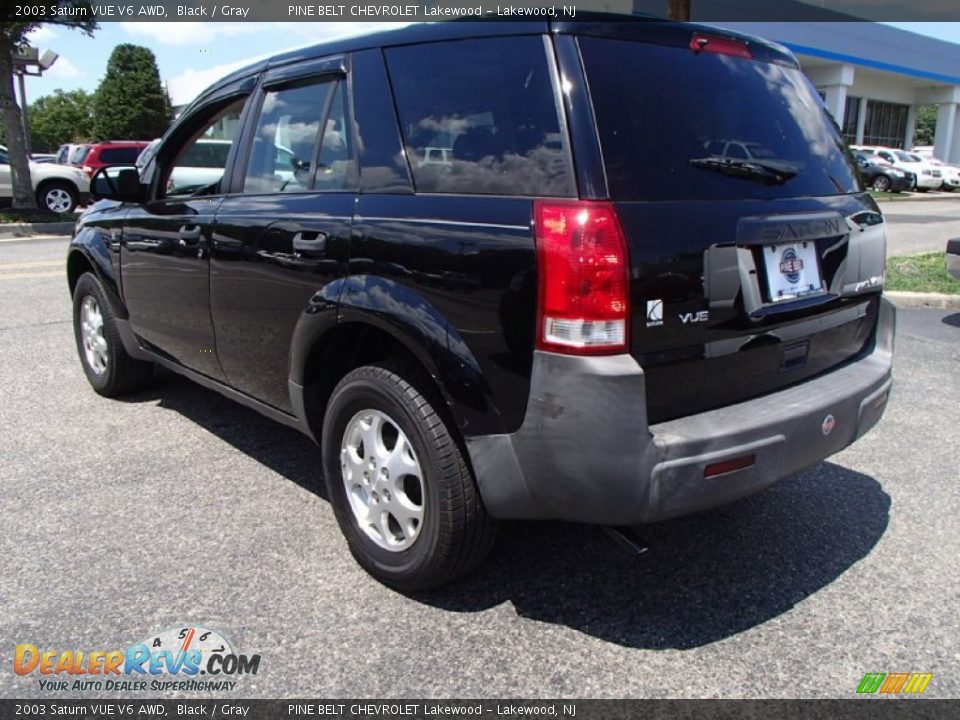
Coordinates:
column 312, row 242
column 189, row 234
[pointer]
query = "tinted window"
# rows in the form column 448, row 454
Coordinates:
column 119, row 156
column 335, row 158
column 479, row 116
column 658, row 108
column 285, row 143
column 4, row 160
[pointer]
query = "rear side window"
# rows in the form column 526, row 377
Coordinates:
column 676, row 125
column 119, row 156
column 80, row 154
column 480, row 117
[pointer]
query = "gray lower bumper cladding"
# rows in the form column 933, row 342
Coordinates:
column 585, row 452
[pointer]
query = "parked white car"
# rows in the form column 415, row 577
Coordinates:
column 59, row 188
column 929, row 177
column 951, row 173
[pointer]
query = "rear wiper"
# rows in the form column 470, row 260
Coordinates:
column 769, row 172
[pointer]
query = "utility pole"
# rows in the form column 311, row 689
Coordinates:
column 23, row 108
column 678, row 10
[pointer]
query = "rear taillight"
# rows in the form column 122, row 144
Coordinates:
column 583, row 268
column 720, row 46
column 87, row 169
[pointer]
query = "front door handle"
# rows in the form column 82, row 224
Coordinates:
column 189, row 234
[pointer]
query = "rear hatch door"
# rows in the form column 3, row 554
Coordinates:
column 756, row 260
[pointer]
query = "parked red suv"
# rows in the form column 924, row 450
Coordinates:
column 111, row 152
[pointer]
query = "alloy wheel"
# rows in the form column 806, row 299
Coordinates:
column 383, row 480
column 58, row 200
column 91, row 332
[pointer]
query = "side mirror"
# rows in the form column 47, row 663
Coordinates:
column 117, row 182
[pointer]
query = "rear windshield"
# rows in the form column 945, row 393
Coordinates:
column 675, row 125
column 80, row 154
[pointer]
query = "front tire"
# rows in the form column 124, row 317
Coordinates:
column 881, row 183
column 109, row 369
column 401, row 490
column 58, row 197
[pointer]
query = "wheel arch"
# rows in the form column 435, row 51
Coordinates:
column 89, row 252
column 325, row 349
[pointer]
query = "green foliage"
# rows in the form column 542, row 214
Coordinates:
column 64, row 117
column 926, row 124
column 131, row 103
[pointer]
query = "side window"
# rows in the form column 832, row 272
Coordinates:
column 285, row 156
column 198, row 165
column 119, row 156
column 4, row 160
column 484, row 119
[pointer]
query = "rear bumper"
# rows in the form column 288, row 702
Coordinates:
column 585, row 452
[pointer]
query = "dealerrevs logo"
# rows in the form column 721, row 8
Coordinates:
column 185, row 652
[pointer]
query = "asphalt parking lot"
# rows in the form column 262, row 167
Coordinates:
column 921, row 225
column 177, row 507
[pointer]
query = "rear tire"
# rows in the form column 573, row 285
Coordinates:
column 109, row 369
column 424, row 525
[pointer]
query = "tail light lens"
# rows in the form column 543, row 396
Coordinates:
column 87, row 169
column 583, row 268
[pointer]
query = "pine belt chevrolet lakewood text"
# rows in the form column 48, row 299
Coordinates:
column 605, row 271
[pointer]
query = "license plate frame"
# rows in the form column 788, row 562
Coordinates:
column 792, row 270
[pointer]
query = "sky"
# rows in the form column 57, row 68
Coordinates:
column 191, row 55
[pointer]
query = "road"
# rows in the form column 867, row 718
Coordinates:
column 918, row 226
column 176, row 507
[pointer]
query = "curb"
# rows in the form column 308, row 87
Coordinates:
column 913, row 300
column 8, row 230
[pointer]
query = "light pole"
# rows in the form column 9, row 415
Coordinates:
column 26, row 59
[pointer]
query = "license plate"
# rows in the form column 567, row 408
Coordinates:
column 793, row 270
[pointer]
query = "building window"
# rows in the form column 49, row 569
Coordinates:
column 885, row 124
column 851, row 113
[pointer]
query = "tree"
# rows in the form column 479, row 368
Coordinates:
column 64, row 117
column 131, row 103
column 13, row 35
column 926, row 124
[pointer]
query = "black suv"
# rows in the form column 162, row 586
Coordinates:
column 601, row 271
